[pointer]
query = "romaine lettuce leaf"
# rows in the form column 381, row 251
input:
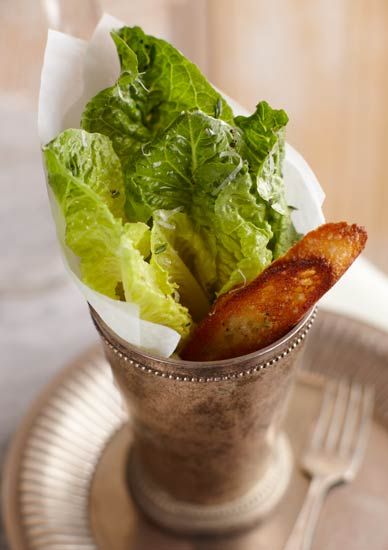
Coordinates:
column 83, row 158
column 156, row 83
column 148, row 284
column 195, row 246
column 284, row 234
column 171, row 237
column 263, row 144
column 243, row 235
column 85, row 175
column 174, row 83
column 194, row 167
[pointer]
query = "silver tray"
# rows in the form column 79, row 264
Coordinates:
column 65, row 477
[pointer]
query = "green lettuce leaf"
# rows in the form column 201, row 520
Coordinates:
column 243, row 235
column 195, row 170
column 147, row 284
column 263, row 144
column 82, row 158
column 85, row 175
column 156, row 83
column 284, row 234
column 174, row 83
column 173, row 241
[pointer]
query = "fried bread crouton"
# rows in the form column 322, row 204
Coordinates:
column 251, row 317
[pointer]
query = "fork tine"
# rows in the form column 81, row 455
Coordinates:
column 351, row 418
column 364, row 429
column 337, row 417
column 324, row 416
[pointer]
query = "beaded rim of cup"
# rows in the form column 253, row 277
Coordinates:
column 204, row 379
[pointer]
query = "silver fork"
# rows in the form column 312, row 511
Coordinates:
column 335, row 451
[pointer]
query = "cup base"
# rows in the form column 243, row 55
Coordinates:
column 187, row 518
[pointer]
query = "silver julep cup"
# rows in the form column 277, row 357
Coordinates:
column 208, row 452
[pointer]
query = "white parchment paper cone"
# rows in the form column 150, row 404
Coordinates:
column 73, row 72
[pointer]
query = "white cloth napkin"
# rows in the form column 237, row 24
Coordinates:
column 361, row 293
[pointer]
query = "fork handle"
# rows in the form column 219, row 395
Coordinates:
column 302, row 534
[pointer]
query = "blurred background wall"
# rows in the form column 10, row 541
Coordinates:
column 324, row 61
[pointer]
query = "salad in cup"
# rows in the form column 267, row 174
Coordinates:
column 176, row 205
column 172, row 206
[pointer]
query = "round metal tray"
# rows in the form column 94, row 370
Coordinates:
column 65, row 479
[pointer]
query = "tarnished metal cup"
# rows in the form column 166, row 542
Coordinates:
column 208, row 454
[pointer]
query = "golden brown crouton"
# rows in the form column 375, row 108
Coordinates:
column 251, row 317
